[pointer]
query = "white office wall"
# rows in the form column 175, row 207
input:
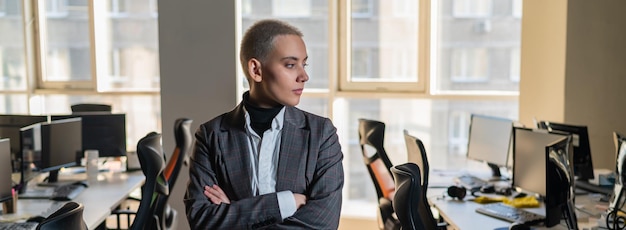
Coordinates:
column 572, row 68
column 197, row 58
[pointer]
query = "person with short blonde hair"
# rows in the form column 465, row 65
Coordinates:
column 266, row 163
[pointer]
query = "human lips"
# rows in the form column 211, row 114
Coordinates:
column 298, row 91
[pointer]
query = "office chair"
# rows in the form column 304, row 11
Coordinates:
column 410, row 203
column 371, row 135
column 151, row 159
column 183, row 138
column 91, row 108
column 70, row 216
column 416, row 153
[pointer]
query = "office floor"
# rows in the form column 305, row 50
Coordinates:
column 349, row 223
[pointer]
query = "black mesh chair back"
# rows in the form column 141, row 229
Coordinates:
column 70, row 216
column 412, row 210
column 180, row 156
column 372, row 136
column 416, row 153
column 150, row 154
column 184, row 139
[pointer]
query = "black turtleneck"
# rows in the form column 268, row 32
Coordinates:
column 260, row 118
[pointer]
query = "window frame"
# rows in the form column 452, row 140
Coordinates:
column 39, row 33
column 37, row 48
column 419, row 85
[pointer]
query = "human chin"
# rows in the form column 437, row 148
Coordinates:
column 293, row 101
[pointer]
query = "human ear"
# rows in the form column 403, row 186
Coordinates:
column 254, row 70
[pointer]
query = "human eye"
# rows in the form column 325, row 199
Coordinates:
column 304, row 65
column 289, row 65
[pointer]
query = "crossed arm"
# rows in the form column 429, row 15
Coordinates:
column 217, row 196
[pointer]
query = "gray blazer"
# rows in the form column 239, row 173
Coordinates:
column 309, row 163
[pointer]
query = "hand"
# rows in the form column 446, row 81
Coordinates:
column 300, row 200
column 215, row 194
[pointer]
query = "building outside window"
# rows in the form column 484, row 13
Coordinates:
column 86, row 53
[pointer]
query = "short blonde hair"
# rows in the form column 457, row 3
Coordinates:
column 258, row 41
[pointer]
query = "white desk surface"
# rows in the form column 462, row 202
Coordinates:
column 99, row 199
column 462, row 214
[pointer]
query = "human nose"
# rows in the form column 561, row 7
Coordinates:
column 303, row 76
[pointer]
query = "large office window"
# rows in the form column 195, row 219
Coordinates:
column 81, row 51
column 64, row 43
column 414, row 65
column 13, row 68
column 390, row 31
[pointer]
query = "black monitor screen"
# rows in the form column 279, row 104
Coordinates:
column 583, row 166
column 49, row 146
column 64, row 138
column 529, row 162
column 559, row 198
column 489, row 141
column 10, row 128
column 103, row 132
column 6, row 182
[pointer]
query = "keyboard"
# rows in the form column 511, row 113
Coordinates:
column 18, row 226
column 470, row 182
column 67, row 192
column 509, row 213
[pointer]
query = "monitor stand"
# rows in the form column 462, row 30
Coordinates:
column 495, row 173
column 53, row 180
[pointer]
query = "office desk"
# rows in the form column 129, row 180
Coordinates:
column 99, row 199
column 462, row 214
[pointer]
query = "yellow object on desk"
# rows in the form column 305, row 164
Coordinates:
column 521, row 202
column 489, row 199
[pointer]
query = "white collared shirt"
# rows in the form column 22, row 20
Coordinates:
column 264, row 162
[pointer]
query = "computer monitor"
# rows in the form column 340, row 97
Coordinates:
column 10, row 125
column 583, row 166
column 103, row 132
column 559, row 200
column 489, row 141
column 6, row 182
column 50, row 146
column 529, row 172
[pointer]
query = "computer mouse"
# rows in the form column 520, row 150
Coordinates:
column 519, row 226
column 489, row 188
column 37, row 219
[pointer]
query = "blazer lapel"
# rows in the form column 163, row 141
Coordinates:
column 293, row 145
column 234, row 142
